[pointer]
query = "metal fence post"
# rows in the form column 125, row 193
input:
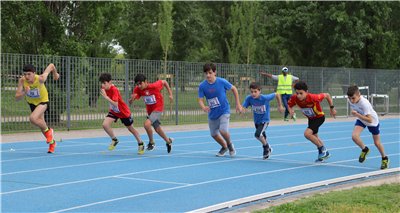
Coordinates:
column 126, row 81
column 176, row 92
column 68, row 93
column 322, row 86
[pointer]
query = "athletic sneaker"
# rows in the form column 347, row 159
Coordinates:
column 49, row 135
column 323, row 153
column 385, row 163
column 222, row 152
column 321, row 159
column 294, row 117
column 53, row 145
column 267, row 152
column 286, row 119
column 169, row 145
column 141, row 149
column 150, row 146
column 113, row 145
column 363, row 155
column 232, row 151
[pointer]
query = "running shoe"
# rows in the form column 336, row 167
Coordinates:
column 323, row 153
column 232, row 151
column 267, row 152
column 321, row 159
column 150, row 146
column 294, row 117
column 141, row 149
column 286, row 119
column 385, row 163
column 51, row 147
column 49, row 135
column 363, row 155
column 169, row 145
column 222, row 152
column 113, row 145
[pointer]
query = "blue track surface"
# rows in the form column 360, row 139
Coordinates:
column 83, row 176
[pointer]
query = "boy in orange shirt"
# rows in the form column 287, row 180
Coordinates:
column 309, row 105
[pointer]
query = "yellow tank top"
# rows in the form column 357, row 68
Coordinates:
column 37, row 94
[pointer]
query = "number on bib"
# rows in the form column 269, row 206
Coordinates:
column 213, row 102
column 34, row 93
column 309, row 112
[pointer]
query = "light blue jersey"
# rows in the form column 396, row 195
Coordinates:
column 216, row 96
column 260, row 107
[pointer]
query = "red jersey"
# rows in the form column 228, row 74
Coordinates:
column 151, row 96
column 122, row 110
column 310, row 107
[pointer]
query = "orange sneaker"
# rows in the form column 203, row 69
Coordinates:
column 51, row 147
column 49, row 135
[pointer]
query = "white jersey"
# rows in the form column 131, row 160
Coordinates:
column 365, row 108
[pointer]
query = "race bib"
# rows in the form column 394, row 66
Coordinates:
column 259, row 109
column 213, row 102
column 33, row 93
column 114, row 108
column 149, row 100
column 309, row 112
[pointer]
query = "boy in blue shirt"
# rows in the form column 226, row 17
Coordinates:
column 260, row 106
column 218, row 109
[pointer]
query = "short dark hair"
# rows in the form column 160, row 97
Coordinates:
column 209, row 66
column 105, row 77
column 301, row 85
column 353, row 89
column 28, row 68
column 255, row 85
column 140, row 78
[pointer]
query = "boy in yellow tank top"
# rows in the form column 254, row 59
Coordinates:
column 33, row 87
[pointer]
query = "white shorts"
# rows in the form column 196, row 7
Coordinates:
column 219, row 124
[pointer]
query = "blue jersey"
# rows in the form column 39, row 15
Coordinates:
column 216, row 96
column 260, row 107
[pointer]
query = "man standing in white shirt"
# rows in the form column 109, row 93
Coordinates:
column 367, row 117
column 285, row 85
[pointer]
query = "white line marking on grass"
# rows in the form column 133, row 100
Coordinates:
column 178, row 187
column 152, row 180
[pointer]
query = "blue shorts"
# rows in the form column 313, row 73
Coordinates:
column 373, row 129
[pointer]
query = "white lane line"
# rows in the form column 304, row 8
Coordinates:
column 195, row 184
column 278, row 130
column 177, row 154
column 132, row 173
column 157, row 181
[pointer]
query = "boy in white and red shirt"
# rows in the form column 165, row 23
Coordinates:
column 118, row 109
column 150, row 92
column 309, row 105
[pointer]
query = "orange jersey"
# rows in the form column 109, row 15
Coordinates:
column 310, row 107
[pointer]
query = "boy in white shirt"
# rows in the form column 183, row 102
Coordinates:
column 367, row 117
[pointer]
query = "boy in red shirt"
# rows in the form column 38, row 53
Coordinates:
column 150, row 92
column 118, row 109
column 309, row 105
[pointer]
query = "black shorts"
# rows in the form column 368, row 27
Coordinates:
column 315, row 123
column 126, row 121
column 261, row 130
column 33, row 106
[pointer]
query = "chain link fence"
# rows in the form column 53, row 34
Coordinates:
column 76, row 103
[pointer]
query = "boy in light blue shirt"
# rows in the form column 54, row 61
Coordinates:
column 218, row 109
column 260, row 106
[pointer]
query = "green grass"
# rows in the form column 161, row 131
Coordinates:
column 384, row 198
